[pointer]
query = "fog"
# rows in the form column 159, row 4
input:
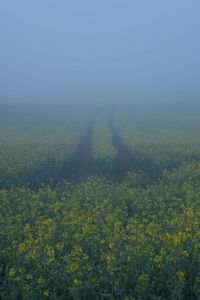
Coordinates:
column 78, row 50
column 99, row 149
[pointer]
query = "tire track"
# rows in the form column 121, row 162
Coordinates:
column 126, row 160
column 81, row 164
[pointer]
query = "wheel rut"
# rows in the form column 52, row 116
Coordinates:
column 124, row 161
column 81, row 164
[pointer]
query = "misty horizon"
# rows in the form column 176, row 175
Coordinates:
column 96, row 50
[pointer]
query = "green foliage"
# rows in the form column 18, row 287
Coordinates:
column 34, row 159
column 101, row 240
column 138, row 239
column 35, row 145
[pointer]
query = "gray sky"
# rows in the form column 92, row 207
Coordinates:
column 59, row 48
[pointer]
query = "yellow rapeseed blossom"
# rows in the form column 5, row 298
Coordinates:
column 77, row 282
column 29, row 277
column 12, row 272
column 51, row 252
column 73, row 267
column 22, row 247
column 143, row 277
column 59, row 246
column 46, row 293
column 94, row 280
column 180, row 275
column 41, row 281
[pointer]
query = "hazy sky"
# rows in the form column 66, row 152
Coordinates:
column 54, row 48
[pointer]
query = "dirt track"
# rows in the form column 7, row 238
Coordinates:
column 80, row 166
column 124, row 161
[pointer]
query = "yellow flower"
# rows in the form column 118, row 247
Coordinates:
column 109, row 258
column 18, row 278
column 22, row 247
column 12, row 272
column 41, row 281
column 117, row 226
column 46, row 293
column 29, row 277
column 77, row 282
column 102, row 242
column 50, row 252
column 111, row 245
column 158, row 259
column 143, row 277
column 180, row 274
column 21, row 270
column 73, row 267
column 26, row 287
column 59, row 246
column 94, row 280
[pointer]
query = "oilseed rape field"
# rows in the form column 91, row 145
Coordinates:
column 99, row 203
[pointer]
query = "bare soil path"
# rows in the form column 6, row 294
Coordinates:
column 81, row 163
column 124, row 161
